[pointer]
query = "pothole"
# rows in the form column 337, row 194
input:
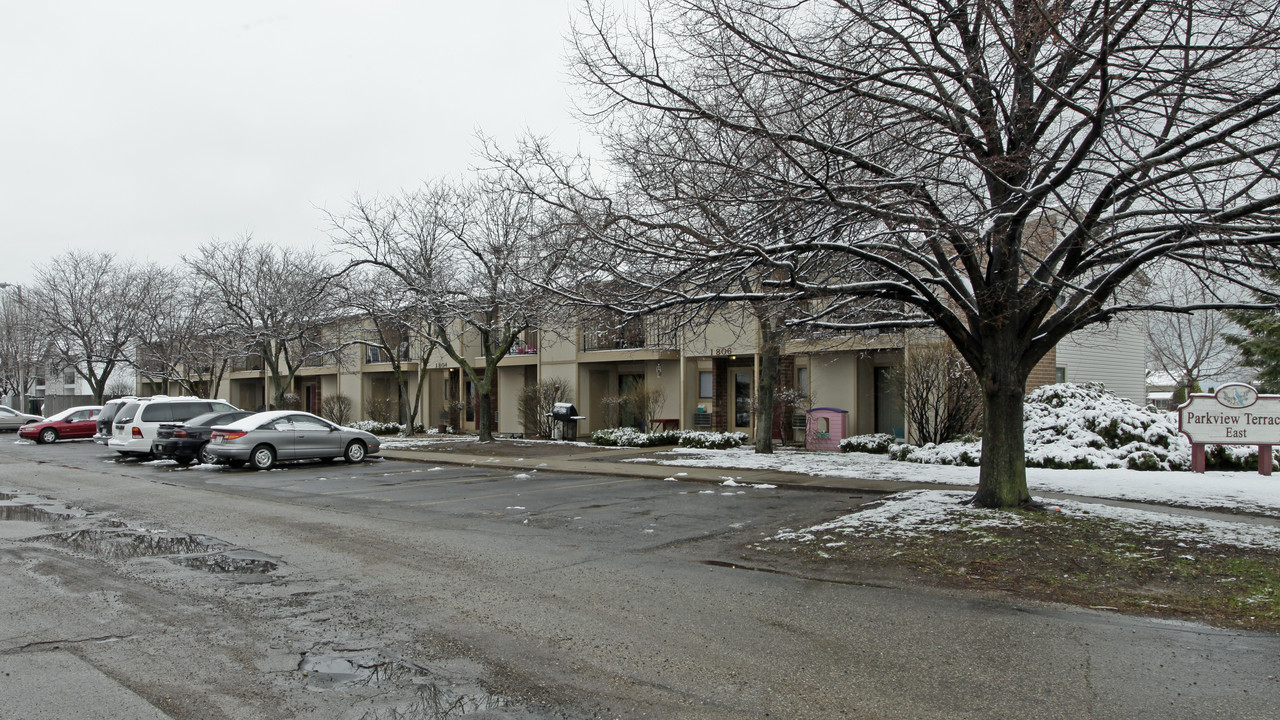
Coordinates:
column 404, row 690
column 28, row 513
column 199, row 552
column 245, row 562
column 126, row 545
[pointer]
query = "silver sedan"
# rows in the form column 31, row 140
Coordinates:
column 11, row 419
column 265, row 438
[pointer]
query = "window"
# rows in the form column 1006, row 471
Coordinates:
column 373, row 354
column 1060, row 374
column 157, row 412
column 802, row 380
column 705, row 387
column 69, row 377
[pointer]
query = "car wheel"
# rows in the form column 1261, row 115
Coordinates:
column 262, row 457
column 206, row 457
column 48, row 435
column 355, row 452
column 236, row 463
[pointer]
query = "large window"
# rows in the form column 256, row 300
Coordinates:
column 802, row 380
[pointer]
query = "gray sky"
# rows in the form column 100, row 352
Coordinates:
column 147, row 127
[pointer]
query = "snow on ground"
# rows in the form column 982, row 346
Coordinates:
column 1242, row 491
column 922, row 513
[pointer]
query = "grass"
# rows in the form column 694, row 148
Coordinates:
column 1065, row 559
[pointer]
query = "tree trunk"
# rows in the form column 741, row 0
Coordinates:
column 767, row 386
column 484, row 413
column 1002, row 480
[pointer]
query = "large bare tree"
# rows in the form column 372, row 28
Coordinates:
column 392, row 325
column 1001, row 170
column 89, row 306
column 472, row 257
column 186, row 340
column 24, row 344
column 276, row 301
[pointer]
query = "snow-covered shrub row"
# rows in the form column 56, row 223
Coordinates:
column 383, row 428
column 712, row 440
column 631, row 437
column 1085, row 427
column 878, row 443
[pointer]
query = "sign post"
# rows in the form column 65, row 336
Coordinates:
column 1234, row 415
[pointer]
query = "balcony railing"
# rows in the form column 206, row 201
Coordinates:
column 636, row 333
column 252, row 363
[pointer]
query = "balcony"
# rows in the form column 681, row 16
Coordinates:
column 648, row 332
column 252, row 363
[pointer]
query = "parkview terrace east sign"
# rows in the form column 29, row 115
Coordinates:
column 1234, row 415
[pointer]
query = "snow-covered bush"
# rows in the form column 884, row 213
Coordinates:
column 630, row 437
column 383, row 428
column 1072, row 426
column 712, row 440
column 878, row 443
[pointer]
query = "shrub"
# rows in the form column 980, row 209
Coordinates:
column 630, row 437
column 712, row 440
column 384, row 428
column 878, row 443
column 536, row 401
column 336, row 408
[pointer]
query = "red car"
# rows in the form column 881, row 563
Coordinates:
column 72, row 423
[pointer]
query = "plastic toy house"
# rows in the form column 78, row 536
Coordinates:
column 826, row 428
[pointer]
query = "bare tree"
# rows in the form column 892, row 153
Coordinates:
column 277, row 301
column 24, row 344
column 1191, row 347
column 394, row 331
column 1001, row 170
column 89, row 305
column 473, row 256
column 940, row 394
column 185, row 339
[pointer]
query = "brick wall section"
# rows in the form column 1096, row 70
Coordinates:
column 720, row 395
column 786, row 380
column 1045, row 372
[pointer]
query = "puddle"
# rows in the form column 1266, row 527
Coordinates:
column 126, row 545
column 193, row 551
column 28, row 513
column 421, row 696
column 245, row 562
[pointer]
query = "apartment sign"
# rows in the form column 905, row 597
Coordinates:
column 1234, row 415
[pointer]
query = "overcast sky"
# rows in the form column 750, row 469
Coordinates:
column 147, row 127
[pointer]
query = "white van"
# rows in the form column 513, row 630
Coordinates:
column 134, row 427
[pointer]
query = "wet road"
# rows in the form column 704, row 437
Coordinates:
column 400, row 590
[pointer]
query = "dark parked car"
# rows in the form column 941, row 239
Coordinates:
column 105, row 417
column 186, row 442
column 70, row 424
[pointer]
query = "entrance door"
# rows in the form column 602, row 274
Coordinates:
column 630, row 385
column 889, row 418
column 740, row 415
column 311, row 397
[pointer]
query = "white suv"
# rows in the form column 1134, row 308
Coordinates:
column 134, row 427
